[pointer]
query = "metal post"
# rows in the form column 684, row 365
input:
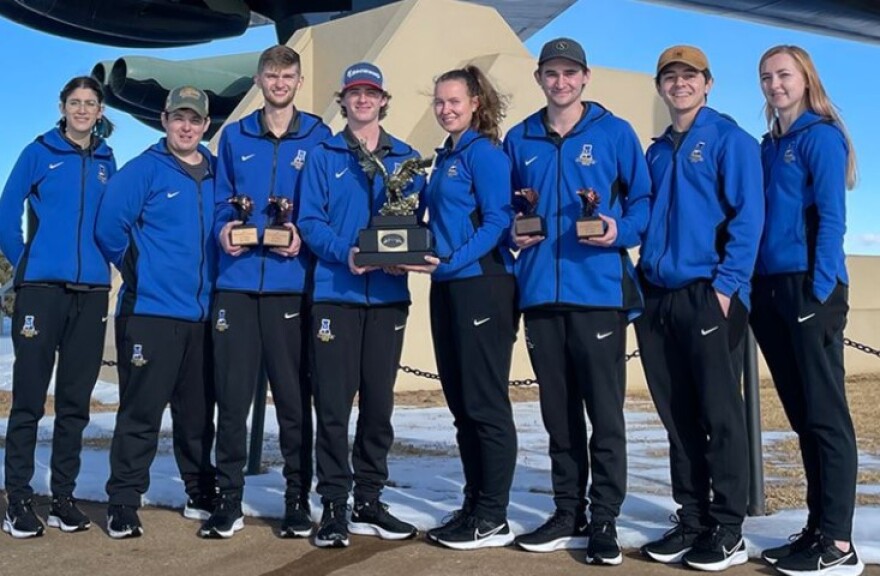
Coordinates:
column 258, row 420
column 753, row 428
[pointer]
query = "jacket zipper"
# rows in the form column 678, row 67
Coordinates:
column 82, row 209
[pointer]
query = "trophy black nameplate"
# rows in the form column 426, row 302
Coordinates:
column 392, row 240
column 589, row 225
column 394, row 236
column 243, row 234
column 277, row 235
column 527, row 223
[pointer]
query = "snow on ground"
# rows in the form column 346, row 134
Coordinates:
column 426, row 480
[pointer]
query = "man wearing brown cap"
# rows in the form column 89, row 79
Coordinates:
column 696, row 262
column 154, row 225
column 578, row 294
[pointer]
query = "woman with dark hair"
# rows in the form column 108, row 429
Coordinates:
column 800, row 301
column 473, row 301
column 61, row 282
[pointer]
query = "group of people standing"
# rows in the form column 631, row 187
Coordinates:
column 731, row 234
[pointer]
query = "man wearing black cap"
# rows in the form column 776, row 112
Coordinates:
column 696, row 264
column 154, row 225
column 358, row 316
column 578, row 294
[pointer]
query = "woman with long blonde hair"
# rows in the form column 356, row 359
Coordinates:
column 799, row 303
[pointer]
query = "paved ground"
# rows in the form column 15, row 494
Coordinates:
column 170, row 547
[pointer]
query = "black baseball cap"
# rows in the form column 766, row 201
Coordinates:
column 563, row 48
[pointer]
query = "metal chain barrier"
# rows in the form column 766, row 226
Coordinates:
column 526, row 382
column 532, row 381
column 861, row 347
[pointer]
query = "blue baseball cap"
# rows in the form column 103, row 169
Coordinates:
column 362, row 74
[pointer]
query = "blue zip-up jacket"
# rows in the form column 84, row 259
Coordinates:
column 154, row 225
column 601, row 152
column 805, row 192
column 63, row 185
column 337, row 202
column 252, row 162
column 468, row 201
column 707, row 208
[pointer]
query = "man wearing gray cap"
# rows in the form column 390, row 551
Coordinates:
column 154, row 225
column 577, row 293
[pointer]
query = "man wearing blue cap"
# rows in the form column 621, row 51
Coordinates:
column 358, row 316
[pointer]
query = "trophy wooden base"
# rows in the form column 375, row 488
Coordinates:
column 529, row 226
column 590, row 227
column 392, row 240
column 244, row 235
column 277, row 237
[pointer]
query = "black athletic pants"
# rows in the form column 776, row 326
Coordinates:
column 688, row 351
column 473, row 325
column 579, row 360
column 354, row 350
column 802, row 342
column 50, row 319
column 250, row 330
column 162, row 360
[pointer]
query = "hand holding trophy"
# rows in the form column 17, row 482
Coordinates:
column 278, row 235
column 528, row 223
column 395, row 236
column 589, row 225
column 244, row 234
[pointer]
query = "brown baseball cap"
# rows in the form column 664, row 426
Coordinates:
column 688, row 55
column 187, row 97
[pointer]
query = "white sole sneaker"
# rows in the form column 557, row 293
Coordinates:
column 494, row 541
column 854, row 570
column 128, row 533
column 296, row 533
column 56, row 522
column 367, row 529
column 10, row 529
column 331, row 543
column 213, row 532
column 666, row 558
column 735, row 559
column 566, row 543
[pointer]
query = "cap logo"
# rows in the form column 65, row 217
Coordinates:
column 353, row 72
column 679, row 53
column 562, row 46
column 188, row 92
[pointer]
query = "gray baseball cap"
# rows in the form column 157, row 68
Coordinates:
column 563, row 48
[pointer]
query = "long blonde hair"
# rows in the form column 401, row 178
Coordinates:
column 817, row 99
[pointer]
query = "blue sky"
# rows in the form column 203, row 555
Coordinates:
column 625, row 34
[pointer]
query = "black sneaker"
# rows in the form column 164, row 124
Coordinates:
column 333, row 531
column 21, row 521
column 123, row 522
column 604, row 547
column 225, row 520
column 200, row 507
column 475, row 533
column 65, row 514
column 717, row 549
column 564, row 530
column 297, row 520
column 451, row 521
column 796, row 543
column 372, row 518
column 674, row 544
column 820, row 559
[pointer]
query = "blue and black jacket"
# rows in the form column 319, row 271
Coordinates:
column 707, row 208
column 155, row 225
column 468, row 201
column 805, row 192
column 601, row 152
column 337, row 201
column 253, row 162
column 63, row 185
